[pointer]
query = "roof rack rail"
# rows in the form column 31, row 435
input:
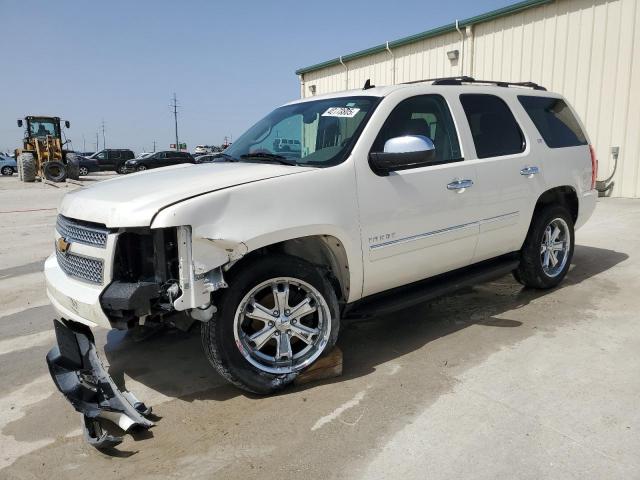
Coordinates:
column 465, row 79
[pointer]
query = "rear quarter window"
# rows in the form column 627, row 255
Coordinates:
column 494, row 129
column 554, row 120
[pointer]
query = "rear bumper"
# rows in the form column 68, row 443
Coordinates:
column 74, row 299
column 586, row 207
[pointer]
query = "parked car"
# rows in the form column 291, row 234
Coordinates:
column 87, row 165
column 113, row 159
column 202, row 150
column 158, row 159
column 8, row 165
column 400, row 194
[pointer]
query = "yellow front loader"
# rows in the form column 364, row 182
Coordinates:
column 42, row 155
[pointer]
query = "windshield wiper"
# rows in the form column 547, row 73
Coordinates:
column 269, row 157
column 228, row 158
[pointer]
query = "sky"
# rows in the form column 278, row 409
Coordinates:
column 229, row 63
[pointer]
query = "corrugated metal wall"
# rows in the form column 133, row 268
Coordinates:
column 588, row 50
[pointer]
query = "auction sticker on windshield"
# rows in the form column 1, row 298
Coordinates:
column 343, row 112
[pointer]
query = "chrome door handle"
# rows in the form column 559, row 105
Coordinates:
column 526, row 171
column 459, row 184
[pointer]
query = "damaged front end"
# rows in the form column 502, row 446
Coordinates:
column 80, row 375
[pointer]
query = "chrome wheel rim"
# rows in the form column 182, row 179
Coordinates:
column 282, row 325
column 142, row 168
column 554, row 249
column 84, row 171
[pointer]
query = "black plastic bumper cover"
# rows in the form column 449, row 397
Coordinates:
column 79, row 374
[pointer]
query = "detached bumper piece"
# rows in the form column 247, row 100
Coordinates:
column 79, row 374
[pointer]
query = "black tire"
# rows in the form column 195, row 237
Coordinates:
column 7, row 171
column 28, row 167
column 72, row 166
column 121, row 169
column 83, row 171
column 55, row 172
column 531, row 272
column 142, row 168
column 218, row 338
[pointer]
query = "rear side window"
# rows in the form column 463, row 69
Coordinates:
column 493, row 127
column 554, row 120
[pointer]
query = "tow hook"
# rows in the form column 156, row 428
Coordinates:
column 80, row 375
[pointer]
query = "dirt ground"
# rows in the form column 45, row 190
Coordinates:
column 493, row 382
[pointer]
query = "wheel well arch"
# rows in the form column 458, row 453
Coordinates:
column 564, row 195
column 325, row 251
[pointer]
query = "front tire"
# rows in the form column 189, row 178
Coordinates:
column 28, row 167
column 84, row 171
column 7, row 171
column 277, row 317
column 142, row 168
column 548, row 249
column 72, row 166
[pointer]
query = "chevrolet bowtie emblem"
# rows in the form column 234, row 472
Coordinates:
column 62, row 245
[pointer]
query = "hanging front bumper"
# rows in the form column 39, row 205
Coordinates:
column 80, row 375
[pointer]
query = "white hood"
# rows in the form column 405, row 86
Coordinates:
column 133, row 200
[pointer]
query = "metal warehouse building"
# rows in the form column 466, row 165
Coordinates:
column 587, row 50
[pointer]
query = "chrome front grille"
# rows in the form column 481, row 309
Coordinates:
column 84, row 268
column 81, row 232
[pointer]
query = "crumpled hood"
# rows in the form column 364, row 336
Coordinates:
column 133, row 200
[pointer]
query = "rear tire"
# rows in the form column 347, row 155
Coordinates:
column 28, row 167
column 72, row 166
column 546, row 254
column 7, row 171
column 266, row 368
column 55, row 172
column 121, row 169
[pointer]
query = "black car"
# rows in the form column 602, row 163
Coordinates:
column 158, row 159
column 87, row 165
column 113, row 158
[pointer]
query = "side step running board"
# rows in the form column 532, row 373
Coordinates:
column 425, row 290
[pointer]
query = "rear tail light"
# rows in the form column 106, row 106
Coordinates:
column 594, row 167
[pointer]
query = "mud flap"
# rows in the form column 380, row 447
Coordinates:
column 80, row 375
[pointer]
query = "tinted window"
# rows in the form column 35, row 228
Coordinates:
column 494, row 129
column 554, row 120
column 115, row 155
column 426, row 115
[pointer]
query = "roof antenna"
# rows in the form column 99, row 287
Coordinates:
column 367, row 85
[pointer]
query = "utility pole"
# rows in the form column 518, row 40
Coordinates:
column 84, row 144
column 174, row 105
column 97, row 142
column 154, row 146
column 104, row 143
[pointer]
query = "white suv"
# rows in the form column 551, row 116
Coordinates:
column 396, row 194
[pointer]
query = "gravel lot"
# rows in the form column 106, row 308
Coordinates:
column 493, row 382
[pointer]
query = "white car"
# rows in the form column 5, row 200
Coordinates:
column 201, row 150
column 397, row 194
column 8, row 165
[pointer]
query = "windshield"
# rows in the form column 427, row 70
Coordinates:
column 42, row 128
column 318, row 133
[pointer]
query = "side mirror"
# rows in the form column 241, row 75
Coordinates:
column 67, row 123
column 20, row 123
column 401, row 153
